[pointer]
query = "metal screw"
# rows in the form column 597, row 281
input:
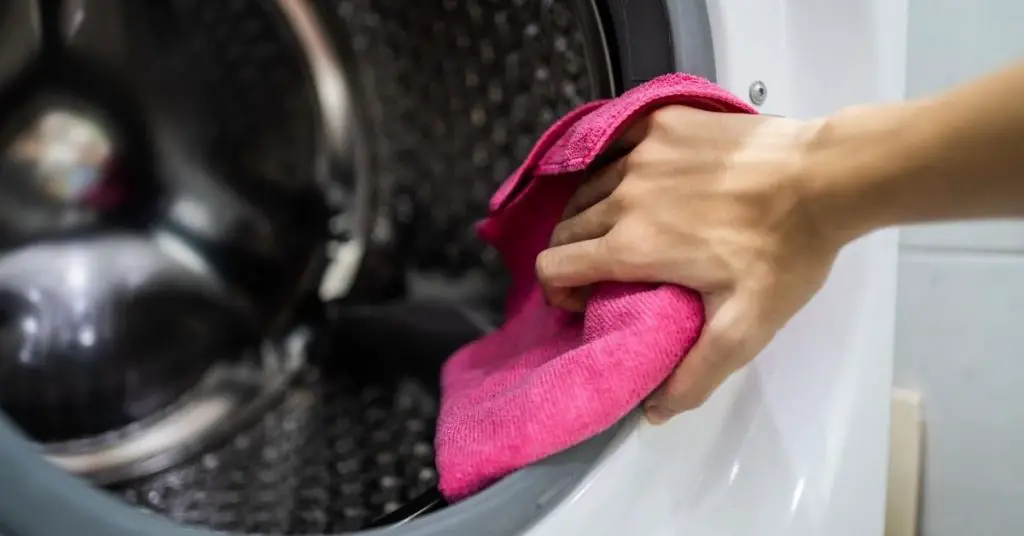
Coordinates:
column 758, row 93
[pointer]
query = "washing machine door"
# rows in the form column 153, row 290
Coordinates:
column 302, row 176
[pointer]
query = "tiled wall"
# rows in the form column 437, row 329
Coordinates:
column 960, row 316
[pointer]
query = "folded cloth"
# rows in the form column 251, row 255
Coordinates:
column 549, row 379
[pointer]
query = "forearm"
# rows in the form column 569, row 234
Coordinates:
column 958, row 155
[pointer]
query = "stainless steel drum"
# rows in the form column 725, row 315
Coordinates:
column 236, row 236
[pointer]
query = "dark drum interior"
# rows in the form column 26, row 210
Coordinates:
column 227, row 157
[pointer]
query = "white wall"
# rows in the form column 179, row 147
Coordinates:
column 960, row 313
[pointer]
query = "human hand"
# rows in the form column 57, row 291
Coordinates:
column 711, row 201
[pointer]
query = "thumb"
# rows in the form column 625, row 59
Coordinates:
column 721, row 349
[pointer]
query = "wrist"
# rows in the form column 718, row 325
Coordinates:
column 956, row 155
column 852, row 163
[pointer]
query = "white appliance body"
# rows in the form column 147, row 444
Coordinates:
column 797, row 442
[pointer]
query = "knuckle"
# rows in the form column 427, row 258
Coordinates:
column 614, row 202
column 620, row 247
column 638, row 156
column 667, row 119
column 623, row 198
column 633, row 246
column 661, row 116
column 629, row 197
column 633, row 194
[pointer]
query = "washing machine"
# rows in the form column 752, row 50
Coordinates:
column 236, row 246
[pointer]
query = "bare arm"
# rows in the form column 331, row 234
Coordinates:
column 957, row 155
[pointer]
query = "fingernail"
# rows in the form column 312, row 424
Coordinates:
column 656, row 414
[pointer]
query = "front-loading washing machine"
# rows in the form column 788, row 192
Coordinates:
column 236, row 245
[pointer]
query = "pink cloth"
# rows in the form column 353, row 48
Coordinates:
column 548, row 379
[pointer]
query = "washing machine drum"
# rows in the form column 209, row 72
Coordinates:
column 236, row 245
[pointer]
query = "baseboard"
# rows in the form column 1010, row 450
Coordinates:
column 905, row 456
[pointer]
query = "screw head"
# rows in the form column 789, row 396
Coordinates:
column 758, row 93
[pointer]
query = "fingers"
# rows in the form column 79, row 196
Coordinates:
column 573, row 265
column 566, row 273
column 719, row 352
column 596, row 188
column 608, row 177
column 593, row 222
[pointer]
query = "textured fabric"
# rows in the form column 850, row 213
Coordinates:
column 549, row 379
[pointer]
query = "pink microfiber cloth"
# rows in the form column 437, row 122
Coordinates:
column 549, row 379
